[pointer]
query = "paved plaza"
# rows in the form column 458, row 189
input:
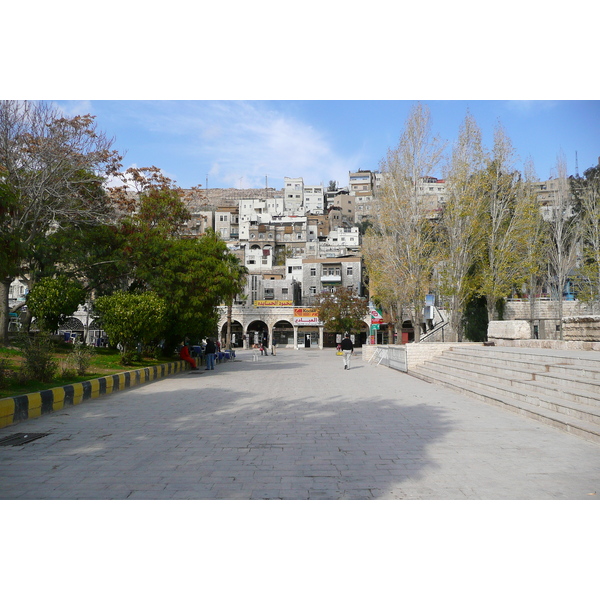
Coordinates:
column 294, row 426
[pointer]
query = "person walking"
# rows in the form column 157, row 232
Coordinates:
column 348, row 349
column 209, row 352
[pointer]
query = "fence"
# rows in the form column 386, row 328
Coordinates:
column 391, row 356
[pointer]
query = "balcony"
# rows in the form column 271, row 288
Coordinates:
column 331, row 279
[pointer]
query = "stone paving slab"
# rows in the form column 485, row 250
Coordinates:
column 295, row 426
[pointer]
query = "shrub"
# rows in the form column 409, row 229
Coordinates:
column 81, row 357
column 131, row 319
column 4, row 371
column 37, row 352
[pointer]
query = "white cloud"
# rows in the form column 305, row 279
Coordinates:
column 241, row 143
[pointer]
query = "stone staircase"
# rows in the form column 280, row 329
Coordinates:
column 558, row 388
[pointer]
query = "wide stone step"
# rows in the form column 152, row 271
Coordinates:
column 531, row 357
column 513, row 370
column 522, row 392
column 510, row 399
column 583, row 397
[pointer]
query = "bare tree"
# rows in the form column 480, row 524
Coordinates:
column 565, row 236
column 401, row 216
column 535, row 236
column 51, row 174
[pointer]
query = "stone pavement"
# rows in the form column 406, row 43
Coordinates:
column 294, row 426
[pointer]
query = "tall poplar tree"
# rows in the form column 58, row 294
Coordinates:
column 402, row 219
column 462, row 224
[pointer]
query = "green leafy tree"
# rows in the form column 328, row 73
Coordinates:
column 462, row 225
column 130, row 319
column 502, row 267
column 53, row 300
column 586, row 193
column 342, row 311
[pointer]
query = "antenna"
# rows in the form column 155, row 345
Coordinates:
column 576, row 166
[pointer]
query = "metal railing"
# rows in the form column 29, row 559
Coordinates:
column 393, row 357
column 439, row 326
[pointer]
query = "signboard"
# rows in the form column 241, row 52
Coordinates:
column 273, row 302
column 306, row 316
column 376, row 316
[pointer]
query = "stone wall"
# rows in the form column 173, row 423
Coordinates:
column 508, row 330
column 584, row 328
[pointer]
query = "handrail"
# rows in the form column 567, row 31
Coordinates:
column 439, row 327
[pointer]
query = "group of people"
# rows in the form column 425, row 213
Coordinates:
column 209, row 350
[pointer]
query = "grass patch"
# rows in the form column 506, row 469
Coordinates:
column 104, row 361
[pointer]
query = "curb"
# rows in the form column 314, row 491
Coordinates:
column 29, row 406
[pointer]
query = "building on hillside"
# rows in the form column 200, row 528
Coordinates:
column 547, row 193
column 362, row 188
column 322, row 274
column 227, row 223
column 433, row 194
column 293, row 195
column 345, row 204
column 314, row 200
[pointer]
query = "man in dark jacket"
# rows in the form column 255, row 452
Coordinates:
column 209, row 352
column 348, row 350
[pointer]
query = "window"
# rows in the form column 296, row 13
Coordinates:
column 284, row 291
column 313, row 271
column 312, row 290
column 348, row 270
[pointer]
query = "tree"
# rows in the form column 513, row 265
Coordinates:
column 565, row 235
column 130, row 319
column 234, row 285
column 462, row 226
column 51, row 173
column 53, row 300
column 501, row 266
column 341, row 310
column 586, row 192
column 536, row 237
column 402, row 219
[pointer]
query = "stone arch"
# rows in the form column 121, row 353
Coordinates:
column 282, row 332
column 257, row 331
column 237, row 333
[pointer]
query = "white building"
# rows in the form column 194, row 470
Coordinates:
column 293, row 195
column 314, row 200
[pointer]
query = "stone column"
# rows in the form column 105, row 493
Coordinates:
column 321, row 329
column 295, row 337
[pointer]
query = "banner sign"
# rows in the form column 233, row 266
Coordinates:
column 306, row 316
column 376, row 316
column 273, row 302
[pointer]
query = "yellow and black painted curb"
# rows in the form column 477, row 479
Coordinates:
column 35, row 404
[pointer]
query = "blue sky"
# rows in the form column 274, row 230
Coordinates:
column 247, row 143
column 270, row 90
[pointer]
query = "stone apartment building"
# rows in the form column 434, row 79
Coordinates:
column 322, row 274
